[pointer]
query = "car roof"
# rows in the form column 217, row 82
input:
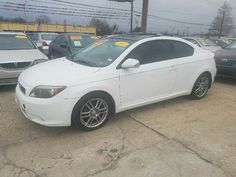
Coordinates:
column 42, row 33
column 12, row 33
column 194, row 38
column 81, row 34
column 134, row 36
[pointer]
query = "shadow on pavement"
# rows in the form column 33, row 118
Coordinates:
column 226, row 80
column 6, row 88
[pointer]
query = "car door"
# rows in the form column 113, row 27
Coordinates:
column 59, row 47
column 153, row 79
column 187, row 65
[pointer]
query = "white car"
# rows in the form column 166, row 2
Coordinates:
column 113, row 75
column 17, row 53
column 204, row 43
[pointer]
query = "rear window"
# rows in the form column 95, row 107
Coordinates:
column 206, row 42
column 183, row 50
column 48, row 37
column 79, row 41
column 15, row 42
column 232, row 45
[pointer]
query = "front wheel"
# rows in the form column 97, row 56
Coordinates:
column 201, row 86
column 91, row 112
column 51, row 56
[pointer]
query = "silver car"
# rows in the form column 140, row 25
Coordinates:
column 17, row 53
column 42, row 40
column 204, row 43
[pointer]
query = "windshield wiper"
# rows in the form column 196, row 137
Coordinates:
column 83, row 62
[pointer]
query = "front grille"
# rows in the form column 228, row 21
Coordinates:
column 8, row 81
column 15, row 65
column 22, row 88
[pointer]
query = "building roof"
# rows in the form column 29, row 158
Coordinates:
column 12, row 33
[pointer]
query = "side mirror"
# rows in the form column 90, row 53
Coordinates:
column 64, row 45
column 130, row 63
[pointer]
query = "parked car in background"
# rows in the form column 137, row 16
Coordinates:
column 204, row 43
column 17, row 53
column 69, row 43
column 226, row 60
column 113, row 75
column 42, row 40
column 223, row 42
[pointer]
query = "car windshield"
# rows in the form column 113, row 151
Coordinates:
column 80, row 41
column 15, row 42
column 48, row 37
column 206, row 42
column 102, row 53
column 231, row 45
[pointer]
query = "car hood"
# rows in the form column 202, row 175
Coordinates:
column 226, row 53
column 57, row 72
column 212, row 48
column 7, row 56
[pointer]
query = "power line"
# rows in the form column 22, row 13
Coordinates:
column 85, row 5
column 63, row 8
column 94, row 8
column 69, row 11
column 177, row 21
column 57, row 13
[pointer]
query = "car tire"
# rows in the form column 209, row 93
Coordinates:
column 201, row 86
column 92, row 111
column 51, row 57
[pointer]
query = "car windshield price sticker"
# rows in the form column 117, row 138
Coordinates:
column 94, row 37
column 100, row 42
column 21, row 37
column 122, row 44
column 77, row 44
column 75, row 38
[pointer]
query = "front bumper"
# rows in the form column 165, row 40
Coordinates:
column 8, row 77
column 52, row 112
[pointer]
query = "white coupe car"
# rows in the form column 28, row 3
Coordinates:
column 17, row 53
column 113, row 75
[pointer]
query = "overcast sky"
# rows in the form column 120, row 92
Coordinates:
column 194, row 11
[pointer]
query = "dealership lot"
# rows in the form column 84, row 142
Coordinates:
column 175, row 138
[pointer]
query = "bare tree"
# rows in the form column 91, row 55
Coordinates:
column 103, row 28
column 222, row 25
column 43, row 19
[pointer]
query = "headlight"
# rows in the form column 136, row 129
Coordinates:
column 46, row 91
column 35, row 62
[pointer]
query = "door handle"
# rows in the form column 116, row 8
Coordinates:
column 172, row 69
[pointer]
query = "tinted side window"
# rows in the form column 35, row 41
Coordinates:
column 35, row 37
column 153, row 51
column 59, row 40
column 193, row 41
column 182, row 49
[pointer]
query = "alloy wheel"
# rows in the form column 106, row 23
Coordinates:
column 94, row 112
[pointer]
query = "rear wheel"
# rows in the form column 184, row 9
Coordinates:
column 51, row 56
column 92, row 111
column 201, row 86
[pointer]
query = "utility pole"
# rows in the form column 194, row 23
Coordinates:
column 131, row 16
column 144, row 16
column 26, row 15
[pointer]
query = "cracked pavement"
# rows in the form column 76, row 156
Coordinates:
column 175, row 138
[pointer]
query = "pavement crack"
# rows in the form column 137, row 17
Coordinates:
column 182, row 144
column 200, row 156
column 22, row 170
column 150, row 128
